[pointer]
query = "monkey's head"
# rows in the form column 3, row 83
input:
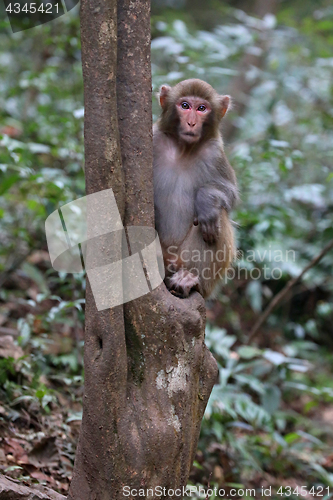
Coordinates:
column 191, row 111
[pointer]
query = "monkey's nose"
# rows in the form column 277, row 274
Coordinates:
column 191, row 124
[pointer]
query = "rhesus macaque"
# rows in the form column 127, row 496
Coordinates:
column 195, row 187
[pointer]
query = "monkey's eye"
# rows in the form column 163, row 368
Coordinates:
column 202, row 108
column 185, row 105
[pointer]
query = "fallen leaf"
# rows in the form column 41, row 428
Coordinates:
column 8, row 348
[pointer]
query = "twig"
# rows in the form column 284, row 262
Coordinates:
column 280, row 296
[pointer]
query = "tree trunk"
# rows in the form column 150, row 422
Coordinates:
column 148, row 373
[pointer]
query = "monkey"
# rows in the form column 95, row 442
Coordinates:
column 195, row 187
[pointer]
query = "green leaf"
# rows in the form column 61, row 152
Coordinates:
column 8, row 182
column 248, row 352
column 271, row 399
column 291, row 437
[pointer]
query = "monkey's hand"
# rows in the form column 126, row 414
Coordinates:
column 208, row 208
column 209, row 226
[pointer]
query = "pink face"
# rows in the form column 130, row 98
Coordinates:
column 193, row 112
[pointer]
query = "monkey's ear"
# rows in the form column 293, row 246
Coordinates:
column 225, row 101
column 163, row 94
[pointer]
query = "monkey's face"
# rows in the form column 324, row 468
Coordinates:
column 193, row 113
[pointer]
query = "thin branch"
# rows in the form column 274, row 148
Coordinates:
column 280, row 296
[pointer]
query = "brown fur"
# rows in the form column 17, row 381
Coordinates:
column 194, row 184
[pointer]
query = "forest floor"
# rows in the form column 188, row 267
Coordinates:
column 41, row 387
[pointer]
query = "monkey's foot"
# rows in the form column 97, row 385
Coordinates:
column 182, row 282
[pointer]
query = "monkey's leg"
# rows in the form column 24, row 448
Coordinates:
column 183, row 281
column 224, row 256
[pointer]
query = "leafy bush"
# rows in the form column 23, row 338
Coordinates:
column 268, row 420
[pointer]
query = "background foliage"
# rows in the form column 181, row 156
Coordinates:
column 269, row 420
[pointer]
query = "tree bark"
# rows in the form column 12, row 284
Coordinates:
column 148, row 373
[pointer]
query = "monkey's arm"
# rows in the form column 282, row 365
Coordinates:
column 224, row 179
column 220, row 192
column 209, row 202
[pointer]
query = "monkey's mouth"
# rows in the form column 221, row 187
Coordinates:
column 190, row 136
